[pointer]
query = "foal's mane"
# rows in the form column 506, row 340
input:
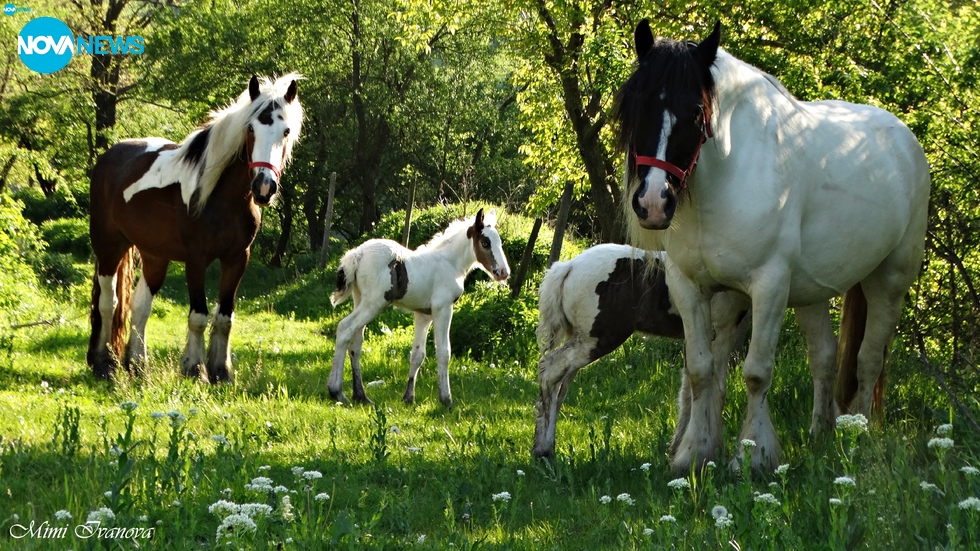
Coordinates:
column 452, row 230
column 670, row 67
column 215, row 144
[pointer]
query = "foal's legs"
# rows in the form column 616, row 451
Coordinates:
column 154, row 272
column 219, row 349
column 821, row 346
column 197, row 321
column 365, row 310
column 354, row 352
column 442, row 318
column 556, row 369
column 422, row 324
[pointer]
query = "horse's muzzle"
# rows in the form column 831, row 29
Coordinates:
column 264, row 189
column 654, row 213
column 501, row 274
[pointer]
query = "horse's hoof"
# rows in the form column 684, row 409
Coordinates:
column 338, row 396
column 409, row 399
column 221, row 375
column 547, row 453
column 448, row 402
column 363, row 399
column 197, row 371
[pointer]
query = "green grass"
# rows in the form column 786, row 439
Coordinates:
column 397, row 473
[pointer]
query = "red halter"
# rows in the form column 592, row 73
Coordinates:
column 260, row 164
column 682, row 175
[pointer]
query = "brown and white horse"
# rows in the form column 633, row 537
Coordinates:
column 427, row 281
column 193, row 202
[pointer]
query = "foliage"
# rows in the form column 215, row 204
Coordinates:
column 67, row 236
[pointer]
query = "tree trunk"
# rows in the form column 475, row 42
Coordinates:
column 327, row 221
column 408, row 213
column 5, row 171
column 518, row 282
column 564, row 206
column 287, row 229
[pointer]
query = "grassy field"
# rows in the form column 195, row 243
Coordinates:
column 171, row 458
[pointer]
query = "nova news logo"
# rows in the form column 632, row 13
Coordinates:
column 46, row 45
column 10, row 9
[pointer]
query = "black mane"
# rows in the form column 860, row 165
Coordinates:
column 670, row 67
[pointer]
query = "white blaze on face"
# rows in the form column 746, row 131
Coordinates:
column 654, row 197
column 268, row 146
column 502, row 269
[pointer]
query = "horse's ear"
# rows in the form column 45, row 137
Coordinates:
column 642, row 39
column 491, row 218
column 290, row 92
column 708, row 48
column 253, row 87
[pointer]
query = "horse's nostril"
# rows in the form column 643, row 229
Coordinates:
column 640, row 211
column 670, row 203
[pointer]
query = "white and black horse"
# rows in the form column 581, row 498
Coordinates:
column 426, row 281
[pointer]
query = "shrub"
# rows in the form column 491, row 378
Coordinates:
column 68, row 236
column 489, row 324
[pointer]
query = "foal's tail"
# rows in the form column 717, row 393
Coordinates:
column 854, row 318
column 346, row 275
column 120, row 316
column 553, row 326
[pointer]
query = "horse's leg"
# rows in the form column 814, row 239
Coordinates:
column 354, row 352
column 219, row 347
column 154, row 272
column 197, row 321
column 365, row 310
column 442, row 319
column 884, row 300
column 769, row 297
column 556, row 369
column 821, row 352
column 108, row 267
column 422, row 324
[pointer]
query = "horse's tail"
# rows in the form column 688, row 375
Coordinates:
column 120, row 317
column 552, row 323
column 854, row 318
column 346, row 276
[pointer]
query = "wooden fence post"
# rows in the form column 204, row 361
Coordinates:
column 408, row 212
column 564, row 207
column 518, row 282
column 325, row 247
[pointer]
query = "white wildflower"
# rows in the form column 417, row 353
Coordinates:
column 234, row 525
column 280, row 489
column 298, row 471
column 176, row 503
column 252, row 510
column 128, row 406
column 970, row 471
column 679, row 484
column 264, row 468
column 502, row 496
column 719, row 511
column 941, row 443
column 224, row 508
column 782, row 469
column 378, row 382
column 421, row 539
column 260, row 484
column 158, row 415
column 768, row 499
column 321, row 497
column 668, row 518
column 645, row 467
column 835, row 501
column 648, row 531
column 605, row 500
column 226, row 492
column 312, row 475
column 944, row 430
column 970, row 503
column 844, row 481
column 103, row 515
column 520, row 472
column 853, row 423
column 748, row 443
column 926, row 486
column 108, row 494
column 625, row 498
column 710, row 464
column 724, row 522
column 144, row 518
column 62, row 515
column 220, row 439
column 192, row 411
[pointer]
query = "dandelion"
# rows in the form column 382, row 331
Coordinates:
column 767, row 499
column 103, row 514
column 719, row 511
column 502, row 496
column 264, row 468
column 312, row 475
column 679, row 484
column 520, row 472
column 927, row 487
column 645, row 467
column 835, row 501
column 157, row 415
column 625, row 498
column 748, row 443
column 234, row 525
column 782, row 469
column 844, row 481
column 605, row 500
column 970, row 471
column 128, row 406
column 62, row 515
column 944, row 430
column 970, row 503
column 941, row 443
column 648, row 531
column 224, row 508
column 220, row 439
column 321, row 497
column 853, row 423
column 668, row 518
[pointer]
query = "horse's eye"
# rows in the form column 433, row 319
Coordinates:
column 286, row 133
column 485, row 242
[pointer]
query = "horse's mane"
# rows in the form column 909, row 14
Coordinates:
column 670, row 67
column 212, row 146
column 455, row 228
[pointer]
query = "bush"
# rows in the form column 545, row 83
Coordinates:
column 488, row 324
column 58, row 270
column 61, row 204
column 68, row 236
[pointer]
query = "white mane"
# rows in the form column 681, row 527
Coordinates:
column 455, row 228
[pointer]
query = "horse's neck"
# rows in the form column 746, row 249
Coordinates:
column 459, row 252
column 233, row 183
